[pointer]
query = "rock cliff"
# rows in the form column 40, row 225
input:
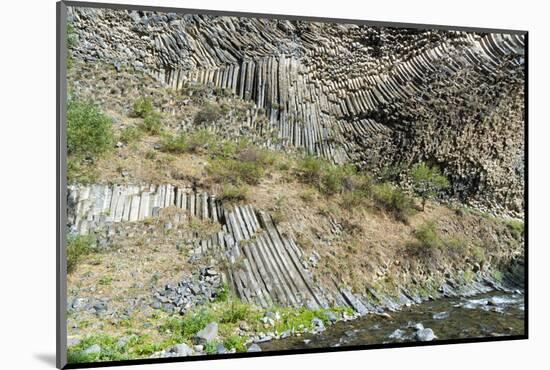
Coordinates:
column 378, row 97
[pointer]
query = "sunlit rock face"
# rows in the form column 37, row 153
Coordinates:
column 378, row 97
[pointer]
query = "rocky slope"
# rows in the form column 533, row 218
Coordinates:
column 378, row 97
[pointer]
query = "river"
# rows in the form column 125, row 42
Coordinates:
column 488, row 315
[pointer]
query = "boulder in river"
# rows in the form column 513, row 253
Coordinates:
column 440, row 315
column 425, row 335
column 254, row 348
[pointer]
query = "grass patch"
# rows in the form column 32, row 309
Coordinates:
column 235, row 172
column 186, row 327
column 152, row 124
column 428, row 236
column 152, row 119
column 77, row 248
column 234, row 194
column 236, row 342
column 130, row 134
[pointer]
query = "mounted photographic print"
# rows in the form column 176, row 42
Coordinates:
column 234, row 184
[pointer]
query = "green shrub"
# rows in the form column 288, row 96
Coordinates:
column 237, row 342
column 89, row 131
column 428, row 181
column 152, row 123
column 211, row 348
column 311, row 170
column 427, row 235
column 142, row 107
column 337, row 179
column 77, row 248
column 189, row 325
column 393, row 200
column 77, row 171
column 516, row 227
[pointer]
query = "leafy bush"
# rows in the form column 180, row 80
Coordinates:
column 428, row 181
column 89, row 131
column 428, row 236
column 311, row 169
column 77, row 248
column 516, row 227
column 152, row 123
column 142, row 107
column 393, row 200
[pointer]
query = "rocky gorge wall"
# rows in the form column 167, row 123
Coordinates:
column 378, row 97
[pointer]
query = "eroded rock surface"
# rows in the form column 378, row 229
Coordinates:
column 378, row 97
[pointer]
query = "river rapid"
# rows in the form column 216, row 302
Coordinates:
column 488, row 315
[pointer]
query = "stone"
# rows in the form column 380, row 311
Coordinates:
column 93, row 349
column 285, row 334
column 79, row 303
column 156, row 305
column 206, row 335
column 440, row 315
column 331, row 316
column 425, row 335
column 397, row 334
column 254, row 348
column 122, row 342
column 73, row 341
column 318, row 324
column 243, row 325
column 220, row 349
column 263, row 338
column 182, row 350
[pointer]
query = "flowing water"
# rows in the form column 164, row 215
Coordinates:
column 488, row 315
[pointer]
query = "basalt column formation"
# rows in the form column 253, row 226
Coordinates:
column 374, row 96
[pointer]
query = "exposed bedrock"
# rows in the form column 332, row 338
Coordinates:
column 377, row 97
column 261, row 263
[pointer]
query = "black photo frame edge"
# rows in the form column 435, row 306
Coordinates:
column 61, row 186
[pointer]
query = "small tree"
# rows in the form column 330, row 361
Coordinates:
column 428, row 181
